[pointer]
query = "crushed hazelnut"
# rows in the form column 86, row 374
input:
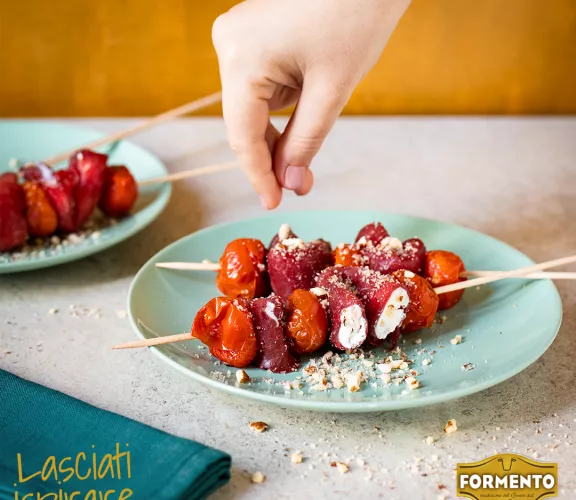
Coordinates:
column 412, row 383
column 450, row 427
column 258, row 477
column 456, row 340
column 242, row 377
column 429, row 440
column 341, row 466
column 353, row 381
column 297, row 458
column 426, row 362
column 259, row 426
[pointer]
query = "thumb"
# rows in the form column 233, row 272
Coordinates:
column 320, row 104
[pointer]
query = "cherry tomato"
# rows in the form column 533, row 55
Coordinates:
column 225, row 326
column 423, row 301
column 307, row 326
column 243, row 269
column 347, row 255
column 119, row 191
column 41, row 217
column 444, row 268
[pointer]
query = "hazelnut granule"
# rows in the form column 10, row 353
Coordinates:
column 450, row 427
column 259, row 426
column 242, row 377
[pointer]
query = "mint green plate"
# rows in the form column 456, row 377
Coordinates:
column 505, row 326
column 33, row 140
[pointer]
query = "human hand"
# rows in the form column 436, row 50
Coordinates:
column 274, row 53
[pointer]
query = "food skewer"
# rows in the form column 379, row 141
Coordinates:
column 521, row 272
column 213, row 266
column 185, row 109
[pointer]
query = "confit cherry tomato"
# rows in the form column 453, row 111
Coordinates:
column 119, row 191
column 423, row 301
column 347, row 255
column 243, row 269
column 307, row 326
column 225, row 326
column 41, row 216
column 444, row 268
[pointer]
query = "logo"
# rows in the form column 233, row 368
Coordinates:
column 507, row 476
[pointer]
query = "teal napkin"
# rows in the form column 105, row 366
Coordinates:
column 52, row 445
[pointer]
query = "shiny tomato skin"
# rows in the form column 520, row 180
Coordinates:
column 307, row 325
column 443, row 268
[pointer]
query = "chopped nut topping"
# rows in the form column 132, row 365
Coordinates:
column 53, row 311
column 242, row 377
column 418, row 341
column 456, row 340
column 384, row 367
column 319, row 292
column 259, row 426
column 429, row 440
column 284, row 232
column 412, row 382
column 337, row 382
column 297, row 457
column 426, row 362
column 258, row 477
column 467, row 367
column 353, row 381
column 450, row 427
column 342, row 467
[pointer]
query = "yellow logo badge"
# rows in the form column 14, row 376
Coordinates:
column 507, row 476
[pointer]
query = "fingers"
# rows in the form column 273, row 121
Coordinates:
column 320, row 104
column 247, row 122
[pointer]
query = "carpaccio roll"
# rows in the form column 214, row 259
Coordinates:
column 225, row 325
column 391, row 255
column 90, row 168
column 294, row 264
column 385, row 300
column 423, row 301
column 374, row 233
column 243, row 269
column 349, row 325
column 12, row 218
column 269, row 320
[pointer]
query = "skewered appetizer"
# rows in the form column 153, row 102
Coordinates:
column 297, row 297
column 39, row 202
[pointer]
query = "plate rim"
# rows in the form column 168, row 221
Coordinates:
column 161, row 201
column 348, row 406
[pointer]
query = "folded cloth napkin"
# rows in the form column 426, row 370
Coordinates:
column 52, row 445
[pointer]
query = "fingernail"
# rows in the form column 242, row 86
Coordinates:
column 263, row 202
column 294, row 178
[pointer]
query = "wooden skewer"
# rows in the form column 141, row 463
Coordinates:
column 497, row 275
column 191, row 107
column 179, row 337
column 195, row 172
column 212, row 266
column 531, row 276
column 190, row 266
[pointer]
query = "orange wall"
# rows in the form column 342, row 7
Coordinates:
column 139, row 57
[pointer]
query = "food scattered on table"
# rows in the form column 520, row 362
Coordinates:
column 450, row 427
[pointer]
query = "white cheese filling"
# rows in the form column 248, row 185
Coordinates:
column 353, row 327
column 393, row 314
column 270, row 312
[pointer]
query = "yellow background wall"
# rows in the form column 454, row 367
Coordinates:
column 139, row 57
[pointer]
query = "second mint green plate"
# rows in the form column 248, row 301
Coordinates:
column 29, row 140
column 505, row 326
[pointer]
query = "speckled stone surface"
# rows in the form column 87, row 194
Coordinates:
column 511, row 178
